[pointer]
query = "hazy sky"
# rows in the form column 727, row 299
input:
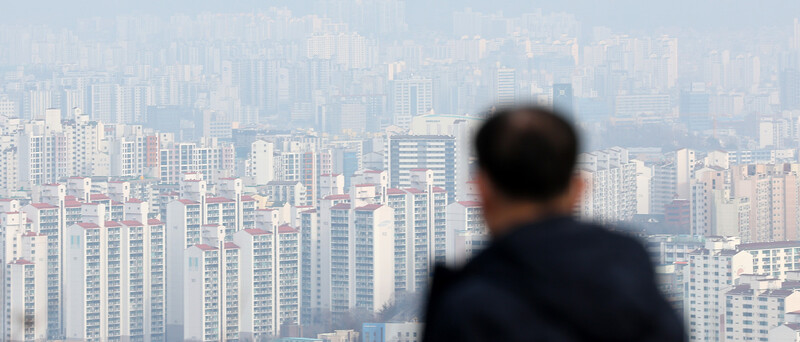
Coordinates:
column 619, row 14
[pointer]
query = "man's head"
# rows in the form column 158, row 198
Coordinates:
column 526, row 159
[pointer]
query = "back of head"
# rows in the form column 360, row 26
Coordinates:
column 528, row 153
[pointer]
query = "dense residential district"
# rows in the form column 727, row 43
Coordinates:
column 268, row 175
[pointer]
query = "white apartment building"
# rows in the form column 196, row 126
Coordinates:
column 757, row 304
column 310, row 277
column 257, row 297
column 184, row 229
column 25, row 289
column 775, row 259
column 46, row 219
column 260, row 166
column 291, row 192
column 669, row 249
column 209, row 157
column 420, row 237
column 357, row 270
column 610, row 185
column 186, row 219
column 211, row 299
column 114, row 280
column 25, row 301
column 466, row 232
column 712, row 270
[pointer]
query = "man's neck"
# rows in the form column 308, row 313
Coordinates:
column 517, row 215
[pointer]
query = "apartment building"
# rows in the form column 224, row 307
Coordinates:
column 610, row 185
column 711, row 270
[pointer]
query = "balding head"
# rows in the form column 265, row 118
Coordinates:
column 527, row 153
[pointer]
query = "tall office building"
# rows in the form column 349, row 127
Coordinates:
column 790, row 89
column 695, row 107
column 505, row 87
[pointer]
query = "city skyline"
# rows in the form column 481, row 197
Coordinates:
column 297, row 171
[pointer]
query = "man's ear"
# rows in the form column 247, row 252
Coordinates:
column 575, row 192
column 485, row 190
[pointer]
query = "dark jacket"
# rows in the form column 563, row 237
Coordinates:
column 555, row 280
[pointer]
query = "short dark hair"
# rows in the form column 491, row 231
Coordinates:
column 527, row 152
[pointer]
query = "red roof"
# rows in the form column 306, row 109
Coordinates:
column 134, row 200
column 43, row 206
column 248, row 198
column 87, row 225
column 21, row 262
column 154, row 222
column 394, row 191
column 5, row 200
column 70, row 198
column 29, row 233
column 337, row 197
column 286, row 229
column 132, row 223
column 187, row 201
column 112, row 224
column 255, row 231
column 364, row 185
column 310, row 211
column 438, row 189
column 414, row 190
column 229, row 245
column 205, row 247
column 341, row 206
column 370, row 207
column 95, row 197
column 218, row 200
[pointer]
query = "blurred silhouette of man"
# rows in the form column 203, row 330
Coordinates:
column 545, row 276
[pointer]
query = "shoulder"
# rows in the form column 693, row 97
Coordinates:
column 572, row 238
column 477, row 309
